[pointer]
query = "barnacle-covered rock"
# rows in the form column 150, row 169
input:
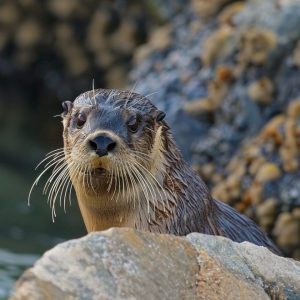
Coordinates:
column 237, row 132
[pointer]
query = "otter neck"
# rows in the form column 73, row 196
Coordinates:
column 101, row 212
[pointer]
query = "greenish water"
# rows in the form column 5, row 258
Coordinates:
column 26, row 232
column 11, row 266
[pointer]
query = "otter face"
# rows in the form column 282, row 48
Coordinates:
column 109, row 138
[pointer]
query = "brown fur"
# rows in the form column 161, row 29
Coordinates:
column 175, row 199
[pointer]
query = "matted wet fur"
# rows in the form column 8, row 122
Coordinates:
column 121, row 159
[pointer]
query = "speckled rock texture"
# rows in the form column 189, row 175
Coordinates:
column 224, row 71
column 126, row 264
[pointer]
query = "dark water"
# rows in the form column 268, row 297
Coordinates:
column 28, row 231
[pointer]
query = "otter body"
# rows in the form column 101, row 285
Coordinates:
column 127, row 172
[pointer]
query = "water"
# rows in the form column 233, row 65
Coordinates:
column 27, row 232
column 11, row 266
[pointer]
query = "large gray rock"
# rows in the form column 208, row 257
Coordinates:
column 126, row 264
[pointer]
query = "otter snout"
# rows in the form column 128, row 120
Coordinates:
column 102, row 145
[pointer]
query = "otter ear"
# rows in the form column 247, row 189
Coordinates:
column 67, row 107
column 159, row 115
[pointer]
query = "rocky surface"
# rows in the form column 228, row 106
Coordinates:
column 263, row 179
column 222, row 70
column 125, row 264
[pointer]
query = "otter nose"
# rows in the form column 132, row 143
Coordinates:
column 102, row 145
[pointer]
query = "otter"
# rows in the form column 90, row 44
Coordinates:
column 120, row 156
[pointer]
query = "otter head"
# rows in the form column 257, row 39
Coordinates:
column 112, row 142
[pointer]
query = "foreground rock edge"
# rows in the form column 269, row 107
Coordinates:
column 124, row 263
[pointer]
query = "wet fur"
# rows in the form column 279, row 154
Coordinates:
column 183, row 203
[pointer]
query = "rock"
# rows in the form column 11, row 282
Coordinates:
column 230, row 78
column 278, row 277
column 214, row 44
column 206, row 9
column 261, row 91
column 266, row 213
column 296, row 55
column 256, row 45
column 268, row 172
column 287, row 230
column 126, row 264
column 116, row 264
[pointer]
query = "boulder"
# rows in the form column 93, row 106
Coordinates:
column 127, row 264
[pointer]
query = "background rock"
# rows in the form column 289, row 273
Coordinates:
column 226, row 72
column 125, row 264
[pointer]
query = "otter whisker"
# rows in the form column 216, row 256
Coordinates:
column 155, row 192
column 141, row 156
column 52, row 157
column 56, row 184
column 54, row 192
column 38, row 179
column 83, row 179
column 87, row 176
column 65, row 181
column 58, row 167
column 130, row 93
column 56, row 158
column 85, row 183
column 153, row 93
column 90, row 179
column 153, row 177
column 93, row 87
column 74, row 173
column 132, row 183
column 152, row 199
column 60, row 187
column 127, row 181
column 137, row 186
column 66, row 191
column 110, row 179
column 143, row 184
column 123, row 181
column 70, row 191
column 54, row 150
column 115, row 181
column 111, row 95
column 118, row 180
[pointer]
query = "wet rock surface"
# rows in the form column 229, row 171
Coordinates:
column 125, row 264
column 226, row 71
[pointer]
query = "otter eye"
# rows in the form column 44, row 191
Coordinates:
column 133, row 124
column 81, row 119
